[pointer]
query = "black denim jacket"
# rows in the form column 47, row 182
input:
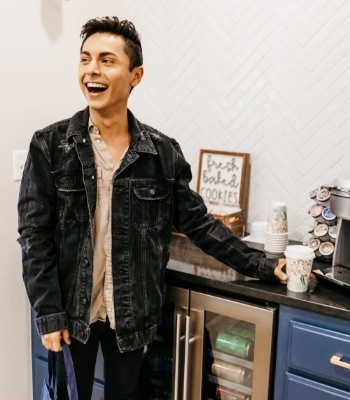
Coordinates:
column 150, row 194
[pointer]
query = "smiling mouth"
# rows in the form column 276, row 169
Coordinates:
column 94, row 87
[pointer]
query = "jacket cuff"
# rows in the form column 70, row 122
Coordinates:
column 51, row 323
column 266, row 269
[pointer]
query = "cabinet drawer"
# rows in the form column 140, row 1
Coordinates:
column 298, row 388
column 312, row 347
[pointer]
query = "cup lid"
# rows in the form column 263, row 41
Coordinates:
column 299, row 251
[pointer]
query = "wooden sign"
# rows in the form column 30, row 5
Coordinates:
column 223, row 179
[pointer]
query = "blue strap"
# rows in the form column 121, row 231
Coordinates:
column 70, row 374
column 71, row 382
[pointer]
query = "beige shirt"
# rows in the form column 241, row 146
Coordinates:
column 102, row 304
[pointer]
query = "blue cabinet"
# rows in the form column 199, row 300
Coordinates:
column 313, row 356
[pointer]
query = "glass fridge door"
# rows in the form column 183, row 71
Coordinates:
column 230, row 346
column 162, row 370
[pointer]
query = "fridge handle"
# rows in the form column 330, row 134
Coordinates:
column 187, row 356
column 177, row 356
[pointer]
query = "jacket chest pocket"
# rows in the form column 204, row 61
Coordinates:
column 150, row 206
column 71, row 192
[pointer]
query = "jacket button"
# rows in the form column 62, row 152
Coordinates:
column 152, row 192
column 83, row 301
column 86, row 261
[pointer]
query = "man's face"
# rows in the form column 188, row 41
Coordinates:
column 104, row 75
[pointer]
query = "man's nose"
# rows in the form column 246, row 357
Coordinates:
column 93, row 68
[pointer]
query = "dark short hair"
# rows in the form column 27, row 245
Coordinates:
column 124, row 28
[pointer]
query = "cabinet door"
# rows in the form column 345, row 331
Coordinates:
column 229, row 349
column 307, row 346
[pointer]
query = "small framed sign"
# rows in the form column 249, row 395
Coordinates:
column 223, row 182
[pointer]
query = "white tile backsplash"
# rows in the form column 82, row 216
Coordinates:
column 266, row 77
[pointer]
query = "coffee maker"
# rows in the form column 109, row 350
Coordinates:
column 340, row 206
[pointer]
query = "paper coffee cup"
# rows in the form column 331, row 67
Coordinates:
column 298, row 266
column 277, row 221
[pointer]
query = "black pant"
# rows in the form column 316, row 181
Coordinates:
column 121, row 370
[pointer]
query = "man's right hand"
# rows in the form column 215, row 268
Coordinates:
column 52, row 341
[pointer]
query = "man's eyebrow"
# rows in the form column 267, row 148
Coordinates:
column 102, row 54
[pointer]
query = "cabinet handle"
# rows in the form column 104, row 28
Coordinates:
column 335, row 360
column 177, row 356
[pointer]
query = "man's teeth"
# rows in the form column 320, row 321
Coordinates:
column 96, row 87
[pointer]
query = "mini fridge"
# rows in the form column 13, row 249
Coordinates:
column 210, row 347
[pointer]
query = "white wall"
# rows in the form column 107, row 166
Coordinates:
column 267, row 77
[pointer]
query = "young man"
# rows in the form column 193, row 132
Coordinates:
column 99, row 196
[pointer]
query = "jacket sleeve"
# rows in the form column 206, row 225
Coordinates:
column 210, row 234
column 36, row 226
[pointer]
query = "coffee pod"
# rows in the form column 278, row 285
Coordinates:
column 307, row 239
column 316, row 212
column 333, row 231
column 312, row 225
column 299, row 261
column 321, row 232
column 313, row 193
column 327, row 249
column 323, row 197
column 328, row 216
column 314, row 244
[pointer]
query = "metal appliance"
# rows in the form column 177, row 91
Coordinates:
column 340, row 206
column 187, row 361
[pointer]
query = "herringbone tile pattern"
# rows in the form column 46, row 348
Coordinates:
column 266, row 77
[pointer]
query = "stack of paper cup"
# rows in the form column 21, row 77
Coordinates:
column 276, row 238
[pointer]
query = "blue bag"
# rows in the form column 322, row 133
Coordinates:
column 48, row 391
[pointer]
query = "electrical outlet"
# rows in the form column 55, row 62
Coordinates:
column 19, row 160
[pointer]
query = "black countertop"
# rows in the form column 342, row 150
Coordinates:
column 190, row 268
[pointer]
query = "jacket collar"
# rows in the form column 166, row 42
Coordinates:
column 141, row 141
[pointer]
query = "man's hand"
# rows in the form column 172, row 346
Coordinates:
column 280, row 270
column 52, row 340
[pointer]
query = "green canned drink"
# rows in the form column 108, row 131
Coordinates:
column 240, row 331
column 234, row 344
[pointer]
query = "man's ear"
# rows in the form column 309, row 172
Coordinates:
column 137, row 76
